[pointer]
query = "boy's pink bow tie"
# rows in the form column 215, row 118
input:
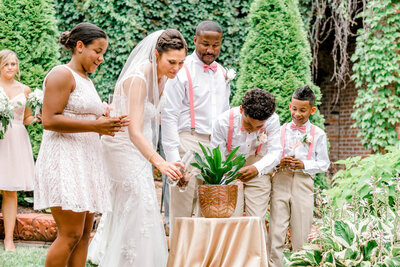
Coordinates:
column 212, row 67
column 299, row 128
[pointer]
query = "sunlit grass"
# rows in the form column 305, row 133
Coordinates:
column 25, row 256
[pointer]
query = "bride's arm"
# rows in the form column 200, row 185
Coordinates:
column 135, row 89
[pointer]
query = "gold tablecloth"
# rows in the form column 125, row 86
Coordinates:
column 218, row 242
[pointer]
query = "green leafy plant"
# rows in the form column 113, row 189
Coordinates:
column 353, row 183
column 350, row 235
column 214, row 170
column 376, row 75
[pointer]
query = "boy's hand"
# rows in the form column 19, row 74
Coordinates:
column 247, row 173
column 291, row 163
column 296, row 164
column 286, row 162
column 283, row 162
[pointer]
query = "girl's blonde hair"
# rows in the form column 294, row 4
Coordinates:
column 5, row 56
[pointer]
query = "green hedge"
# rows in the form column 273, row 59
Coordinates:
column 28, row 27
column 276, row 55
column 127, row 22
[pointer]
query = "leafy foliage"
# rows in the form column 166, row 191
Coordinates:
column 276, row 55
column 352, row 235
column 127, row 22
column 352, row 184
column 214, row 170
column 30, row 31
column 376, row 74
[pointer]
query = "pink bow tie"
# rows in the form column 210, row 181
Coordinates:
column 299, row 128
column 212, row 67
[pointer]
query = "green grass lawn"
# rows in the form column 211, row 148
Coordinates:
column 25, row 256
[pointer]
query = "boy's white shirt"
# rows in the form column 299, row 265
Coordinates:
column 319, row 161
column 210, row 96
column 271, row 151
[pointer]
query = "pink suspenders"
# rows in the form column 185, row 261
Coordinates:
column 191, row 103
column 192, row 121
column 310, row 146
column 230, row 134
column 230, row 131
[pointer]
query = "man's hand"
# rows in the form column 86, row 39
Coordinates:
column 247, row 173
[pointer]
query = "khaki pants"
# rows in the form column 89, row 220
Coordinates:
column 183, row 204
column 253, row 196
column 292, row 203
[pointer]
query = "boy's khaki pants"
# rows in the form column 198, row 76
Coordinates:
column 292, row 203
column 253, row 197
column 183, row 204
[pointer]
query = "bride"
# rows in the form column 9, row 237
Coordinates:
column 133, row 233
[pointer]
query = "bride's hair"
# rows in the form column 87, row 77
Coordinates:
column 85, row 32
column 170, row 39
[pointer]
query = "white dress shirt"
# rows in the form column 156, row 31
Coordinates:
column 210, row 96
column 271, row 151
column 319, row 161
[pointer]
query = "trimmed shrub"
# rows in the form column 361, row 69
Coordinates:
column 276, row 55
column 376, row 74
column 28, row 27
column 127, row 22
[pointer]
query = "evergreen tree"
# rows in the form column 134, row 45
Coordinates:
column 28, row 27
column 276, row 55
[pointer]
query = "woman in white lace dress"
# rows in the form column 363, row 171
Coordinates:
column 69, row 174
column 133, row 233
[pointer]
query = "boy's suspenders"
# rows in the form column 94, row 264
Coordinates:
column 191, row 103
column 230, row 134
column 310, row 146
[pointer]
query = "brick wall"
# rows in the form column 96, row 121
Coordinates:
column 343, row 138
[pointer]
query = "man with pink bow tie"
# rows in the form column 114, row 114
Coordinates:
column 194, row 99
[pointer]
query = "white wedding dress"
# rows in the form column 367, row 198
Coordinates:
column 133, row 233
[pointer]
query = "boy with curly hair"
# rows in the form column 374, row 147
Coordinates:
column 255, row 127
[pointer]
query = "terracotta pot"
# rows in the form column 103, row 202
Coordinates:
column 217, row 201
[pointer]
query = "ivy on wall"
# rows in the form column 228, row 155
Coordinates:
column 127, row 22
column 376, row 75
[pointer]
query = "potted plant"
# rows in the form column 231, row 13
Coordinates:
column 217, row 197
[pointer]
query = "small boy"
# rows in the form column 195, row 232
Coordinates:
column 304, row 155
column 256, row 129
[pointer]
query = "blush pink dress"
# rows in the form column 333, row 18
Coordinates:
column 16, row 159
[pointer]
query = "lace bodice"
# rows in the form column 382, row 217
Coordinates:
column 84, row 100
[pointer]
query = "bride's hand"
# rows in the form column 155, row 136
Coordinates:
column 171, row 169
column 109, row 126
